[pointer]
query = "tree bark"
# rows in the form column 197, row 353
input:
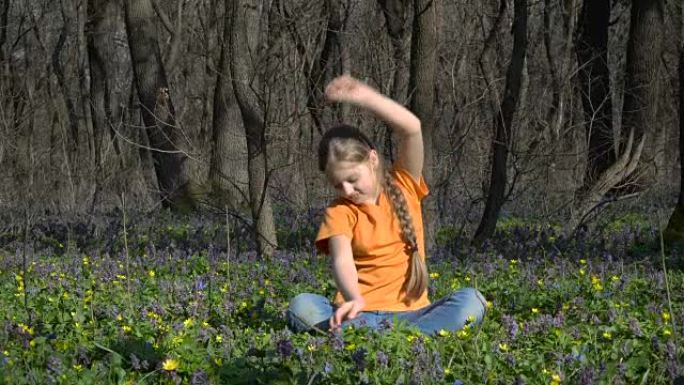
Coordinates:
column 594, row 78
column 101, row 14
column 4, row 82
column 157, row 109
column 422, row 89
column 422, row 75
column 226, row 170
column 243, row 46
column 674, row 232
column 71, row 115
column 396, row 15
column 642, row 96
column 502, row 141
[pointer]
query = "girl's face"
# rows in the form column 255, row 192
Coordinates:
column 356, row 182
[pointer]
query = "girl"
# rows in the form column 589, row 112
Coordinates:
column 374, row 231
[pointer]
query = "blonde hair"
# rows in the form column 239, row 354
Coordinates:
column 348, row 143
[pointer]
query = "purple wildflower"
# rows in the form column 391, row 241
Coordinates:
column 359, row 358
column 382, row 359
column 285, row 348
column 634, row 327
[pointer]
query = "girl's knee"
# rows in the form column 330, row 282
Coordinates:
column 307, row 310
column 472, row 301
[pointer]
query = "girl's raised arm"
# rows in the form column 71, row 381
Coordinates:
column 402, row 121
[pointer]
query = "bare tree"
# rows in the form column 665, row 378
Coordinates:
column 244, row 39
column 642, row 91
column 396, row 14
column 502, row 141
column 640, row 104
column 422, row 90
column 158, row 113
column 101, row 16
column 594, row 79
column 4, row 14
column 59, row 70
column 674, row 232
column 228, row 146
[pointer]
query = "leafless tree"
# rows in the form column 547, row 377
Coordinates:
column 674, row 232
column 244, row 40
column 501, row 143
column 226, row 171
column 165, row 136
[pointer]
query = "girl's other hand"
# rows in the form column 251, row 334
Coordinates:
column 347, row 311
column 347, row 89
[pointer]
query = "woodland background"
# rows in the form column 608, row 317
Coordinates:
column 548, row 109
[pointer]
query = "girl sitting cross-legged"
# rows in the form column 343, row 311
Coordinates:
column 373, row 232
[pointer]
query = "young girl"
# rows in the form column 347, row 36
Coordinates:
column 373, row 232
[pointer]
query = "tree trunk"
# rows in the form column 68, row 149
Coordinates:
column 642, row 96
column 503, row 125
column 243, row 42
column 101, row 14
column 227, row 170
column 396, row 12
column 157, row 109
column 422, row 88
column 5, row 81
column 674, row 232
column 71, row 116
column 594, row 77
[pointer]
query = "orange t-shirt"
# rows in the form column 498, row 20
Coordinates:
column 380, row 254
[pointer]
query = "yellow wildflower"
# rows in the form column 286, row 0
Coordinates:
column 666, row 316
column 170, row 364
column 434, row 275
column 151, row 273
column 535, row 310
column 503, row 347
column 667, row 332
column 463, row 333
column 443, row 333
column 218, row 338
column 188, row 323
column 607, row 335
column 555, row 379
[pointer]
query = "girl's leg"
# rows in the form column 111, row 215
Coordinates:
column 307, row 310
column 450, row 313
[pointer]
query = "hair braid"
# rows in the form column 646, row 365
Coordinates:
column 418, row 276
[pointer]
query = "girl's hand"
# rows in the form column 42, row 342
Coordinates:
column 348, row 310
column 347, row 89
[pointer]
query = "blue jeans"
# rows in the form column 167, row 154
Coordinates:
column 450, row 313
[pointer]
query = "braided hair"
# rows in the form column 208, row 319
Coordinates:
column 348, row 143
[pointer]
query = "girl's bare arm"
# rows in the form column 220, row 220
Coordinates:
column 402, row 121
